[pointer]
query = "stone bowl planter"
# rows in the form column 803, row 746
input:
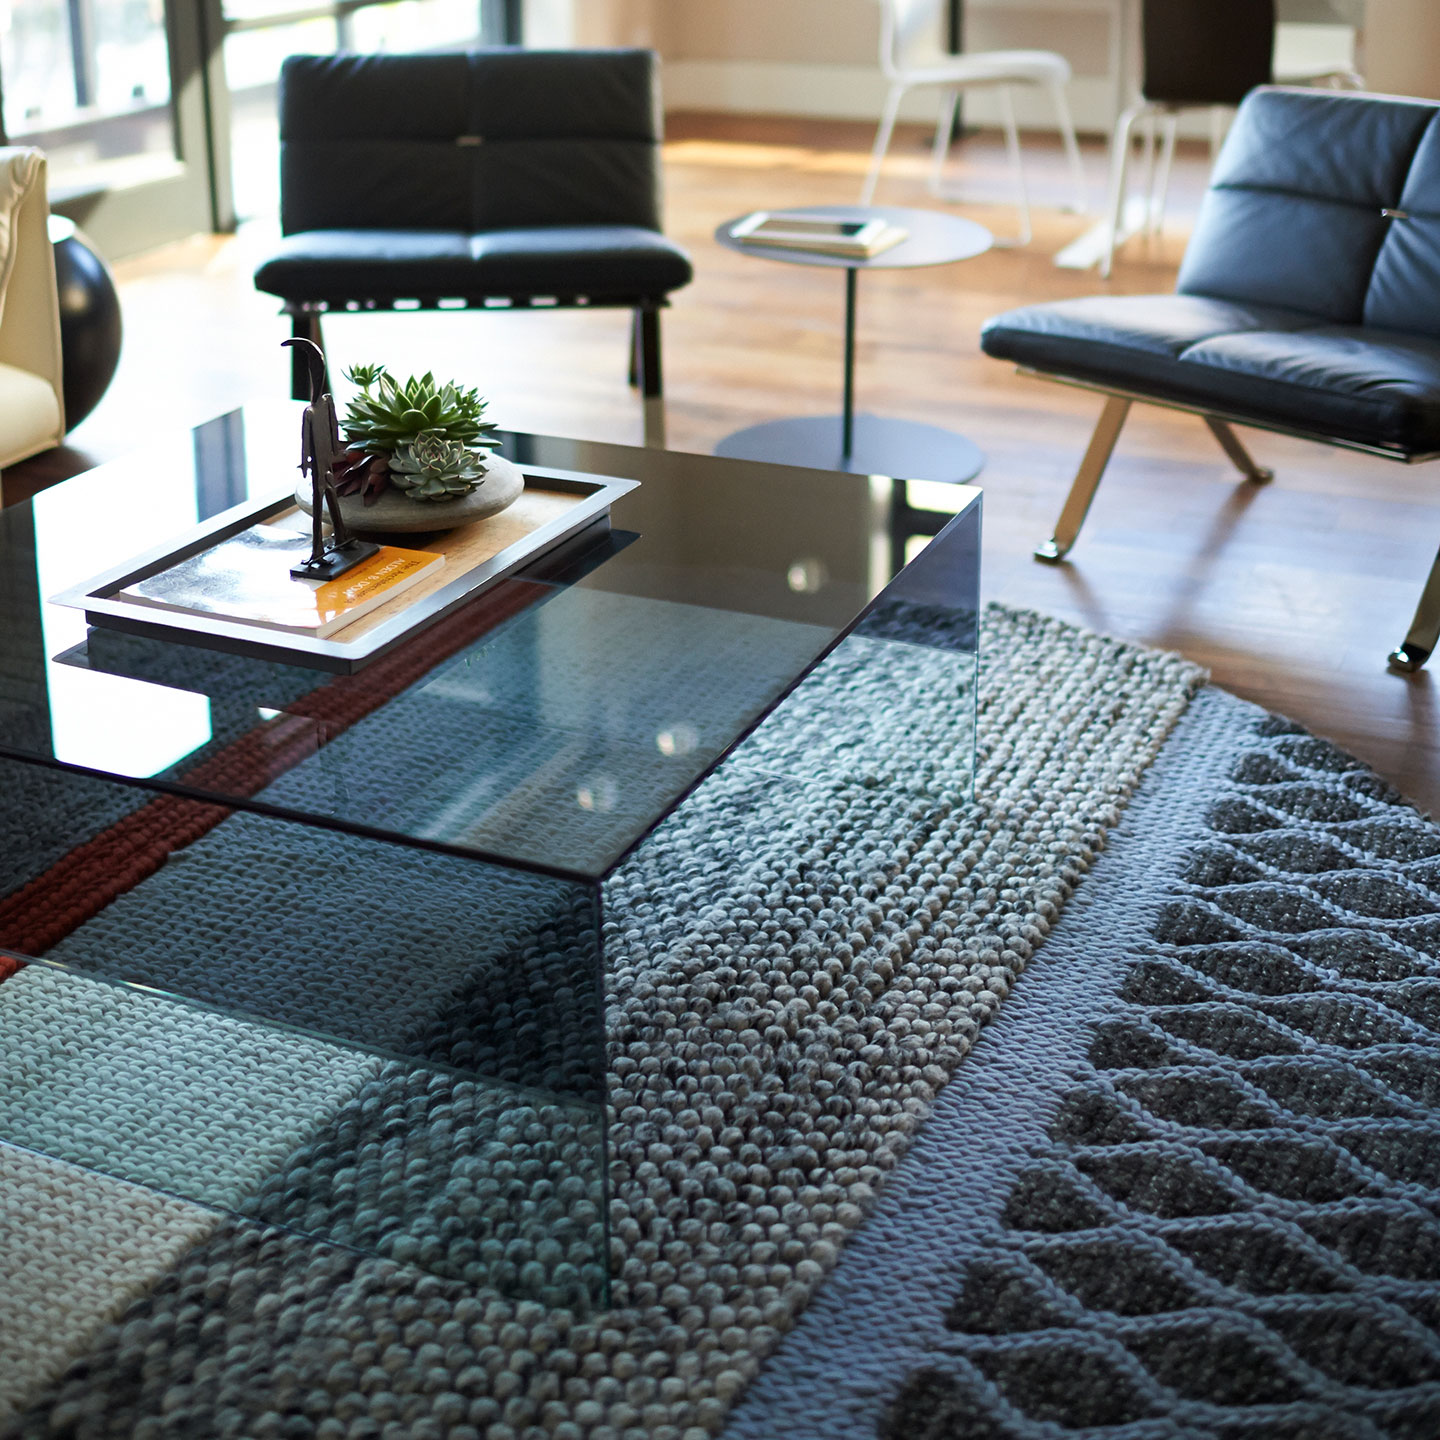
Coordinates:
column 395, row 513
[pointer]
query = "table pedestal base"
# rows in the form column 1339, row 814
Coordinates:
column 904, row 449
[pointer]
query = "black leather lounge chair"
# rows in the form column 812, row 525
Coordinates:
column 1308, row 303
column 493, row 178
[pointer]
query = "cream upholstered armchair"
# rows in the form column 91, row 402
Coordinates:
column 32, row 409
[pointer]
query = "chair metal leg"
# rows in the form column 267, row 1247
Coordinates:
column 1087, row 479
column 944, row 131
column 1119, row 163
column 1424, row 628
column 635, row 349
column 1240, row 457
column 647, row 331
column 1017, row 163
column 304, row 325
column 882, row 141
column 1072, row 146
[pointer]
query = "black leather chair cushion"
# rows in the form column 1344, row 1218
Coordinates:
column 386, row 265
column 1266, row 363
column 1293, row 216
column 476, row 141
column 1404, row 291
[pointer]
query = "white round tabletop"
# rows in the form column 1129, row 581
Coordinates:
column 932, row 238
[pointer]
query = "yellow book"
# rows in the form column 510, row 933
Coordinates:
column 247, row 579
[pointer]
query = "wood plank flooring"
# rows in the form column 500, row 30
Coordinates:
column 1291, row 594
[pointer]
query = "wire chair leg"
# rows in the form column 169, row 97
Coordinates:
column 944, row 131
column 1017, row 163
column 882, row 142
column 1156, row 217
column 1119, row 164
column 1072, row 147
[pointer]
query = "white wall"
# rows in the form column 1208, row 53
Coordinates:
column 1401, row 47
column 819, row 57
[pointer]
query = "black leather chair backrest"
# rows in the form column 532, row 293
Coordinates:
column 488, row 140
column 1296, row 214
column 1206, row 52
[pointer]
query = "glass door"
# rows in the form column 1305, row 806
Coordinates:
column 114, row 91
column 259, row 34
column 158, row 116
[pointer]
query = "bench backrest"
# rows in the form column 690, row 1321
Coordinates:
column 1328, row 204
column 484, row 140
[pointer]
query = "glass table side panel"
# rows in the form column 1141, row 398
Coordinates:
column 489, row 972
column 895, row 702
column 382, row 1047
column 559, row 738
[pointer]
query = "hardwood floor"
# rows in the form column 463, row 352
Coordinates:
column 1291, row 594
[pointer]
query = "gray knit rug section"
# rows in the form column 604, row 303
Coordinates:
column 1187, row 1185
column 799, row 960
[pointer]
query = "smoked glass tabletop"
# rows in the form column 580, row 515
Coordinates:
column 549, row 725
column 328, row 951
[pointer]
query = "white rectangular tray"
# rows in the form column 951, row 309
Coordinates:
column 557, row 505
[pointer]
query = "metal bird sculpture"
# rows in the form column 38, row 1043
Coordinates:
column 320, row 447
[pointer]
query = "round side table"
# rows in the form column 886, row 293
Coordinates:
column 866, row 444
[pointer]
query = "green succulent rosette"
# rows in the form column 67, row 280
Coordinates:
column 431, row 466
column 386, row 414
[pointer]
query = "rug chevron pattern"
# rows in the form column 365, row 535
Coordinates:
column 1214, row 1211
column 796, row 973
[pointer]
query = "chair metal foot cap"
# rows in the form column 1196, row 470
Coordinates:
column 1260, row 476
column 1407, row 659
column 1049, row 552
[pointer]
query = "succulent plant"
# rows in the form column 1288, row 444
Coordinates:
column 431, row 466
column 386, row 414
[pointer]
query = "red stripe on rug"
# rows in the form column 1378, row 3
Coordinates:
column 90, row 877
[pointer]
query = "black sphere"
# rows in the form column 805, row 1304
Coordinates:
column 89, row 321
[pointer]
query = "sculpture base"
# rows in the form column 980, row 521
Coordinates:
column 335, row 561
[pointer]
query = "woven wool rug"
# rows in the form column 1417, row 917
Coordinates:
column 1181, row 1184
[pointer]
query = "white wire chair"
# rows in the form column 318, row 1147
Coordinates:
column 902, row 22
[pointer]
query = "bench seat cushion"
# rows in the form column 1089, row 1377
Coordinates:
column 1274, row 366
column 600, row 261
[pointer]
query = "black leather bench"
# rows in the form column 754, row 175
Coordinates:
column 1308, row 302
column 516, row 178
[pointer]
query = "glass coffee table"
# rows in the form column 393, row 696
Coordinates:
column 327, row 951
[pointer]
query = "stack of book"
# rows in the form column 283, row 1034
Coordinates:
column 247, row 579
column 820, row 234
